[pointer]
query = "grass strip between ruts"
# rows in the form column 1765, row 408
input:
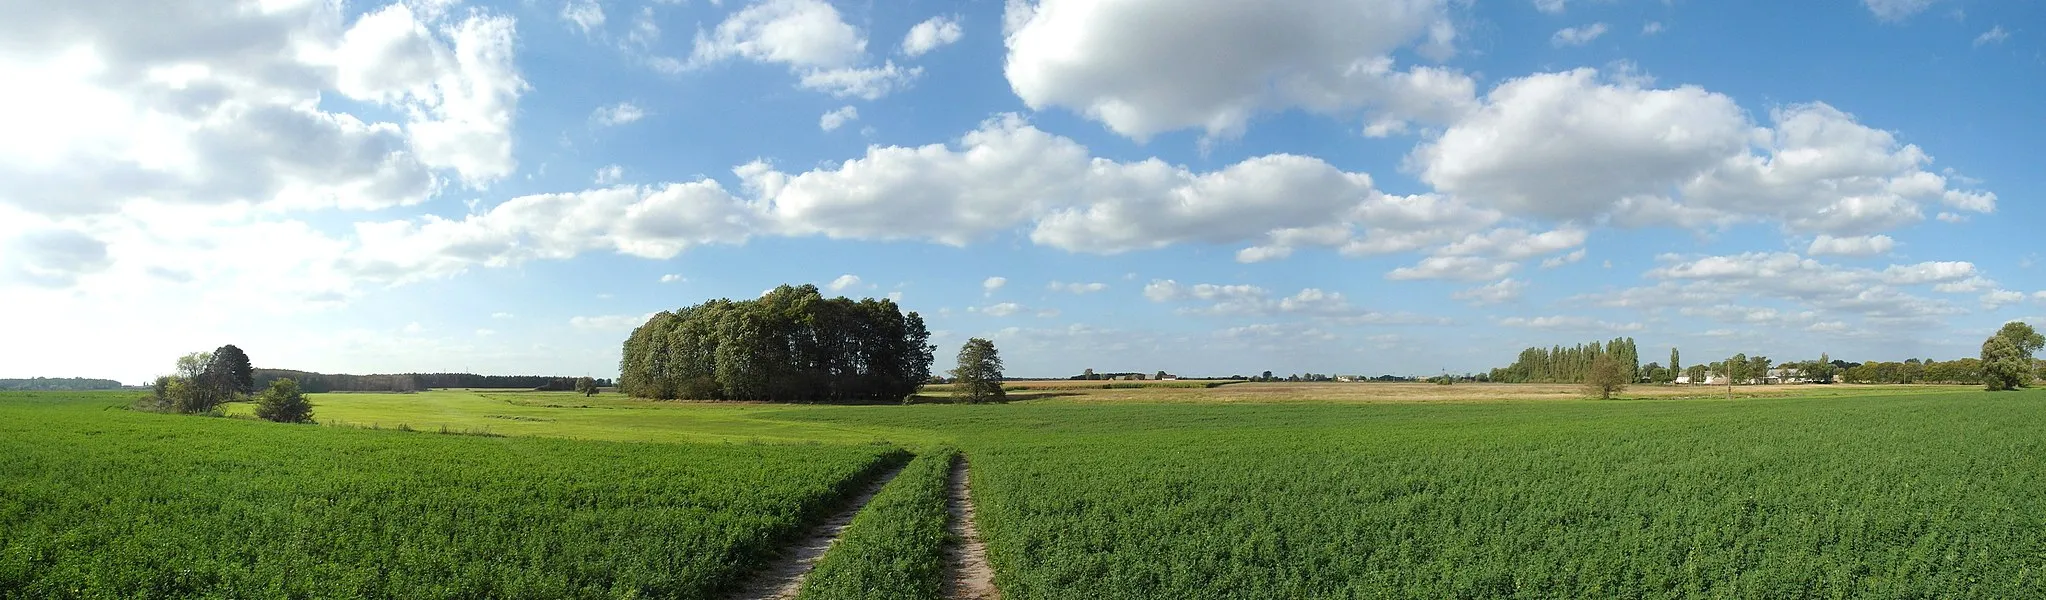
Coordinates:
column 895, row 548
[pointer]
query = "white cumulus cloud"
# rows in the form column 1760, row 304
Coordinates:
column 617, row 114
column 1144, row 67
column 837, row 118
column 933, row 33
column 1577, row 36
column 1870, row 245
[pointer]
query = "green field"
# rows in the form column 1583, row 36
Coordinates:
column 98, row 503
column 1905, row 494
column 603, row 417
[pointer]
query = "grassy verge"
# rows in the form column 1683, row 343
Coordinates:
column 895, row 548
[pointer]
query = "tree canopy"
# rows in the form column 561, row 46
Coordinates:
column 284, row 403
column 1605, row 377
column 59, row 383
column 230, row 370
column 2007, row 362
column 203, row 381
column 1570, row 365
column 978, row 379
column 790, row 345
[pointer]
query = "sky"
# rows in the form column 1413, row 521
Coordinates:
column 1207, row 187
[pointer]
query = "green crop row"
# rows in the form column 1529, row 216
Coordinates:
column 1929, row 496
column 107, row 503
column 895, row 548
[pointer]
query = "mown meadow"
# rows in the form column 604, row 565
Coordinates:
column 99, row 502
column 1899, row 493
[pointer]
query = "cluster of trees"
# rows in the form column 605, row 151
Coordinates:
column 203, row 381
column 790, row 345
column 320, row 383
column 2007, row 362
column 1960, row 371
column 59, row 384
column 1570, row 365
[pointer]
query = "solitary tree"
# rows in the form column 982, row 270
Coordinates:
column 284, row 403
column 1674, row 365
column 979, row 376
column 1606, row 377
column 587, row 386
column 2007, row 356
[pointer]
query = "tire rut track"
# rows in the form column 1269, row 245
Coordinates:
column 783, row 579
column 969, row 577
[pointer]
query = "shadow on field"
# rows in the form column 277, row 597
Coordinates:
column 1012, row 397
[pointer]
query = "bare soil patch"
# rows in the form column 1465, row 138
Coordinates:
column 971, row 578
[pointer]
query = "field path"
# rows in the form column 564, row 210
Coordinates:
column 784, row 578
column 971, row 578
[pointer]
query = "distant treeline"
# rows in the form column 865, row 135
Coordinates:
column 1962, row 371
column 411, row 382
column 790, row 345
column 1558, row 364
column 59, row 383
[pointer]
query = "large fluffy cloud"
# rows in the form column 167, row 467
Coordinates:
column 811, row 38
column 221, row 103
column 1143, row 67
column 1573, row 145
column 650, row 222
column 1803, row 290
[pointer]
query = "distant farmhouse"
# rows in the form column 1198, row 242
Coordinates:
column 1090, row 375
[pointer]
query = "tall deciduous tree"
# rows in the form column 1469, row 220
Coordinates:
column 978, row 378
column 1606, row 376
column 230, row 368
column 194, row 389
column 586, row 386
column 284, row 403
column 2007, row 356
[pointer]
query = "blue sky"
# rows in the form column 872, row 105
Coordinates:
column 1209, row 188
